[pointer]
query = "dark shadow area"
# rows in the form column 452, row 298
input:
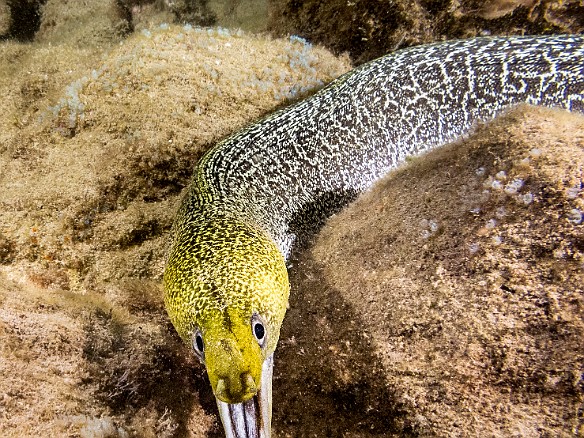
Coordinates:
column 312, row 216
column 193, row 11
column 124, row 10
column 133, row 371
column 25, row 19
column 369, row 29
column 328, row 381
column 196, row 12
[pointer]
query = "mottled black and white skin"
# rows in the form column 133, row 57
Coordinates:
column 256, row 193
column 366, row 122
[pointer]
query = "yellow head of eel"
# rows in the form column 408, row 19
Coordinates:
column 226, row 292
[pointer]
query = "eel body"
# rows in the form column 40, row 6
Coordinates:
column 257, row 192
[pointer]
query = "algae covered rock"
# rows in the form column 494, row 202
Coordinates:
column 369, row 29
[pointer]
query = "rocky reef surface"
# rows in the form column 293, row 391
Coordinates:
column 367, row 29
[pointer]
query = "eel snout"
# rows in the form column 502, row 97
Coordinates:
column 253, row 417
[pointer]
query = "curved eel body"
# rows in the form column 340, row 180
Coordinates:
column 257, row 192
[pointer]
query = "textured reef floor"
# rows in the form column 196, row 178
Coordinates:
column 447, row 300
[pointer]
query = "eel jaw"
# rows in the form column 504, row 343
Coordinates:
column 252, row 418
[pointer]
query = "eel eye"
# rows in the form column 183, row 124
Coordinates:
column 199, row 345
column 258, row 329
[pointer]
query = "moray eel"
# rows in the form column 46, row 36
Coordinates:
column 258, row 192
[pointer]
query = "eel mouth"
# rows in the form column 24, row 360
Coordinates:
column 252, row 418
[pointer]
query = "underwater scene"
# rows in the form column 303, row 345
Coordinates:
column 447, row 299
